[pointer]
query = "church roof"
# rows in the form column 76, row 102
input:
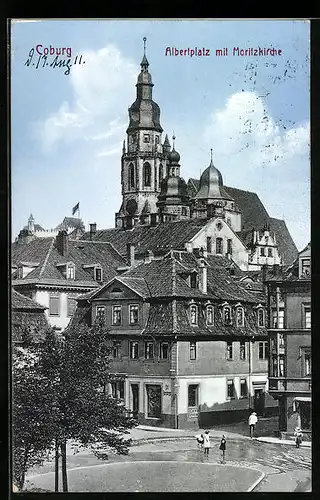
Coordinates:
column 254, row 216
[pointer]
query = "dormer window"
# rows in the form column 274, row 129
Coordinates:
column 193, row 311
column 98, row 273
column 70, row 272
column 210, row 315
column 260, row 317
column 240, row 316
column 146, row 138
column 227, row 315
column 305, row 268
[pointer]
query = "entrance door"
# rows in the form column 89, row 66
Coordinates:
column 259, row 401
column 153, row 401
column 135, row 399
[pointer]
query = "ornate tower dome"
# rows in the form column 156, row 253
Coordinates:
column 211, row 185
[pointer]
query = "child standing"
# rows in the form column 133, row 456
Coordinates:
column 298, row 436
column 206, row 442
column 222, row 447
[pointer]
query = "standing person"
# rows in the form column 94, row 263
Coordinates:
column 252, row 423
column 298, row 436
column 200, row 441
column 206, row 442
column 222, row 447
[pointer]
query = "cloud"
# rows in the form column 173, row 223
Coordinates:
column 256, row 153
column 99, row 87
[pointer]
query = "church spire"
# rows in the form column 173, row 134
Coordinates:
column 144, row 63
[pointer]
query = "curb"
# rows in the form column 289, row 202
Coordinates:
column 306, row 444
column 255, row 484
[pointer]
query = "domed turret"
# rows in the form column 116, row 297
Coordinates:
column 211, row 185
column 173, row 156
column 174, row 190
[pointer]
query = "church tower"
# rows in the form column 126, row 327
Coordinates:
column 144, row 157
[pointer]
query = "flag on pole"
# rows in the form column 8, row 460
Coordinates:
column 75, row 208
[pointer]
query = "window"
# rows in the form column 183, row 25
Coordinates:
column 280, row 323
column 243, row 388
column 229, row 247
column 281, row 366
column 230, row 389
column 263, row 350
column 307, row 317
column 193, row 395
column 307, row 363
column 134, row 314
column 70, row 272
column 274, row 366
column 210, row 316
column 184, row 211
column 71, row 306
column 227, row 315
column 117, row 389
column 147, row 175
column 239, row 316
column 131, row 176
column 219, row 245
column 146, row 138
column 270, row 252
column 164, row 350
column 262, row 252
column 193, row 315
column 157, row 139
column 98, row 273
column 134, row 350
column 100, row 313
column 193, row 280
column 229, row 350
column 160, row 174
column 116, row 315
column 260, row 317
column 209, row 244
column 148, row 350
column 242, row 350
column 305, row 267
column 153, row 401
column 54, row 306
column 193, row 350
column 116, row 347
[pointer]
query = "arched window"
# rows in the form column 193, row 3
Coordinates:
column 147, row 175
column 227, row 315
column 193, row 314
column 160, row 174
column 240, row 316
column 210, row 316
column 219, row 245
column 260, row 317
column 131, row 176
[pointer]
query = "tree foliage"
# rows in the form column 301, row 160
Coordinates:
column 62, row 397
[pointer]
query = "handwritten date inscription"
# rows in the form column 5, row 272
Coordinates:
column 43, row 61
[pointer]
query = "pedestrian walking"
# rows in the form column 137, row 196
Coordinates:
column 298, row 436
column 253, row 419
column 222, row 447
column 206, row 442
column 200, row 441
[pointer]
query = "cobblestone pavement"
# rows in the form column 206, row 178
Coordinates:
column 286, row 468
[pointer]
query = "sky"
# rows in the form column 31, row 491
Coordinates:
column 67, row 130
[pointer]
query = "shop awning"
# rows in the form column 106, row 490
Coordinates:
column 303, row 398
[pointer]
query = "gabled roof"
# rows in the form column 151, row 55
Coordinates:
column 158, row 239
column 21, row 302
column 254, row 216
column 71, row 222
column 80, row 252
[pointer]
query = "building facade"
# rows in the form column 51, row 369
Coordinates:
column 189, row 342
column 289, row 303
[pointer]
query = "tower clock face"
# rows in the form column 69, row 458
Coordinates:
column 131, row 207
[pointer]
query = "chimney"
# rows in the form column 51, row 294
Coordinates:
column 130, row 254
column 153, row 220
column 62, row 242
column 148, row 257
column 264, row 272
column 93, row 230
column 203, row 276
column 276, row 269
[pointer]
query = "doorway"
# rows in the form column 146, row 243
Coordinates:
column 259, row 403
column 135, row 399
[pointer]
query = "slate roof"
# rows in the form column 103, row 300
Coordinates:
column 254, row 216
column 158, row 239
column 80, row 252
column 27, row 318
